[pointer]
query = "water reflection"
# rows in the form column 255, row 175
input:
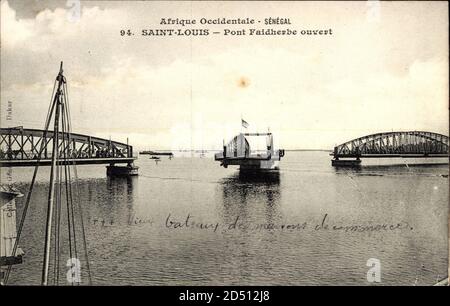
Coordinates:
column 110, row 201
column 254, row 198
column 269, row 178
column 380, row 170
column 118, row 183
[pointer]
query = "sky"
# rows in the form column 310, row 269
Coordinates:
column 384, row 68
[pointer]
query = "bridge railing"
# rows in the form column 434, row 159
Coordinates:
column 25, row 144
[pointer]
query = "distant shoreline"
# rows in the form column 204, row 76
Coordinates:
column 306, row 150
column 204, row 151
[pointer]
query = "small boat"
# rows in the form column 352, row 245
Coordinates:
column 156, row 153
column 238, row 152
column 155, row 157
column 201, row 153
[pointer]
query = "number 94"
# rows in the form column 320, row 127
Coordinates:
column 125, row 32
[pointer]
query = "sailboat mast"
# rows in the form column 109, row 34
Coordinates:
column 55, row 152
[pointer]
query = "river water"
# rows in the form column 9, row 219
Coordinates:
column 188, row 221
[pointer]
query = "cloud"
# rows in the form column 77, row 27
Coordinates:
column 13, row 31
column 52, row 26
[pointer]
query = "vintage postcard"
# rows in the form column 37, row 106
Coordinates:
column 224, row 143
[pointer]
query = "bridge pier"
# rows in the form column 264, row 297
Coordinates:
column 128, row 170
column 346, row 162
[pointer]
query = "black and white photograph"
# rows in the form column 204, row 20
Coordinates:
column 224, row 143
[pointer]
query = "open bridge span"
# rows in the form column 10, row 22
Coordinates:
column 412, row 144
column 28, row 147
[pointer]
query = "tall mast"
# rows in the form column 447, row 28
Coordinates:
column 58, row 101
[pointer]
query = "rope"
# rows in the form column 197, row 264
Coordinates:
column 57, row 215
column 57, row 243
column 69, row 218
column 67, row 113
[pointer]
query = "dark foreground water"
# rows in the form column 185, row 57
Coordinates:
column 246, row 231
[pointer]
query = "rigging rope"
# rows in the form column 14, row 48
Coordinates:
column 69, row 220
column 80, row 210
column 57, row 243
column 57, row 226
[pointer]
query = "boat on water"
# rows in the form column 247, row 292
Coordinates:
column 238, row 152
column 156, row 153
column 201, row 153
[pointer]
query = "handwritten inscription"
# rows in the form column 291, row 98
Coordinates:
column 190, row 222
column 325, row 223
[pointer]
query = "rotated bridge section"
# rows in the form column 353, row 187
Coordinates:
column 413, row 144
column 27, row 147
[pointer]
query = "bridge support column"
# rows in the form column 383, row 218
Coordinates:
column 128, row 170
column 346, row 162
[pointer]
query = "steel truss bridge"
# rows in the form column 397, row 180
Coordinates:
column 28, row 147
column 412, row 144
